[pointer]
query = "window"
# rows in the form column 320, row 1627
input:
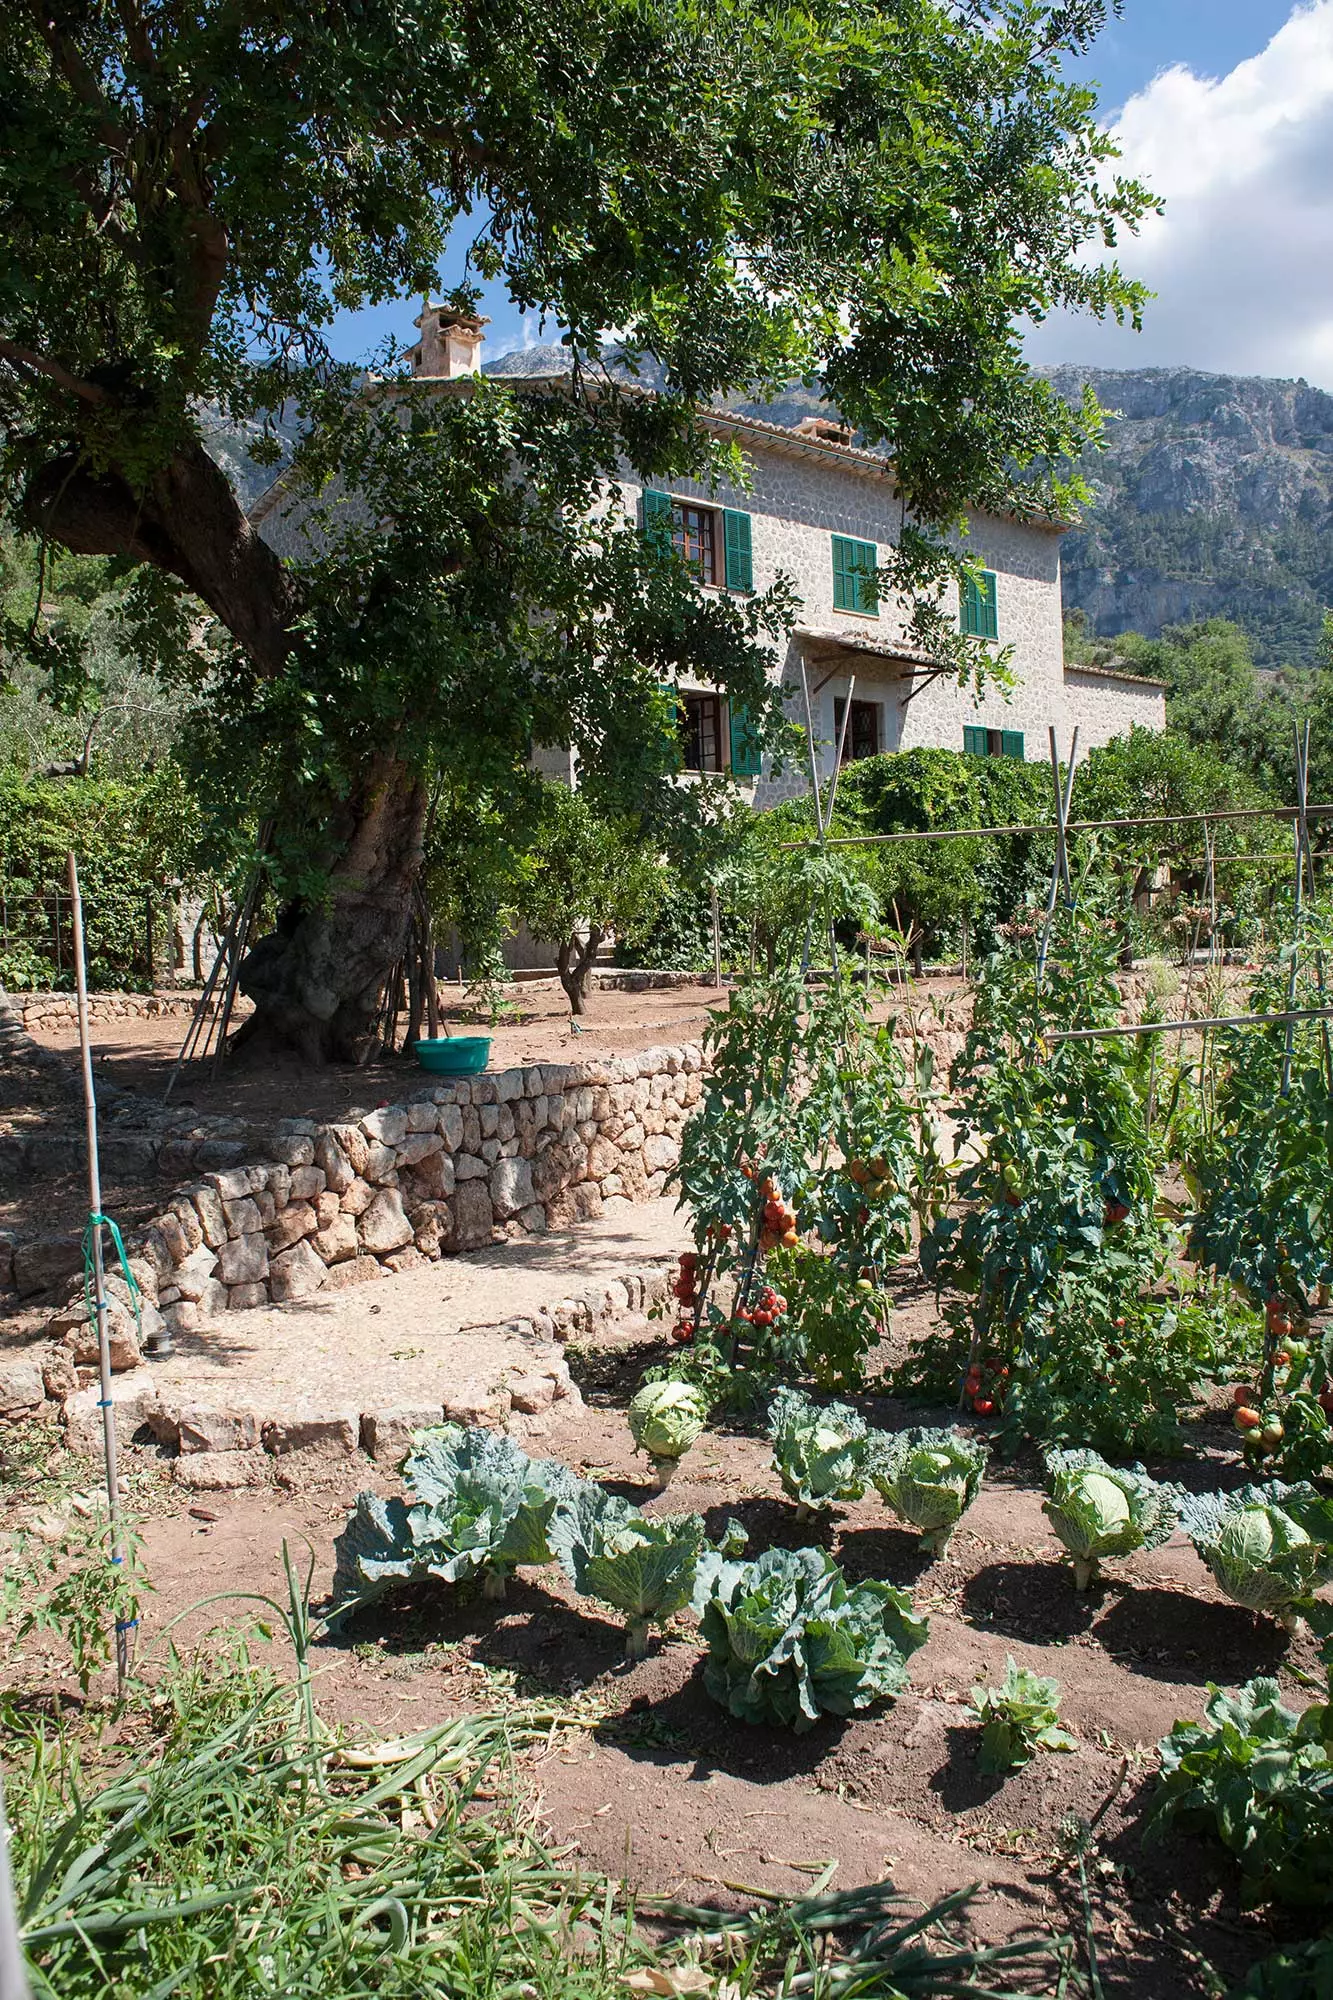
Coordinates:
column 715, row 542
column 701, row 731
column 979, row 742
column 854, row 566
column 862, row 730
column 978, row 606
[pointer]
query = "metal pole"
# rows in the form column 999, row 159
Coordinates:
column 1060, row 869
column 99, row 1272
column 13, row 1978
column 1183, row 1027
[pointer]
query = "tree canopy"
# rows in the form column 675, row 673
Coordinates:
column 871, row 195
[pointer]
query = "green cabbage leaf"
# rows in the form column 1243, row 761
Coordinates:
column 643, row 1565
column 822, row 1452
column 1268, row 1547
column 665, row 1418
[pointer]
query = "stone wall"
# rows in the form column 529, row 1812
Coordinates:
column 463, row 1163
column 1105, row 704
column 38, row 1011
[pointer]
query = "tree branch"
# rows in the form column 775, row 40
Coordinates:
column 26, row 357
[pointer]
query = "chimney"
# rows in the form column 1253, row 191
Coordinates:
column 450, row 343
column 826, row 429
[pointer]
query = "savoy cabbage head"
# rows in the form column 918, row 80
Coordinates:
column 1268, row 1547
column 1105, row 1510
column 640, row 1564
column 789, row 1641
column 822, row 1452
column 480, row 1506
column 929, row 1478
column 664, row 1419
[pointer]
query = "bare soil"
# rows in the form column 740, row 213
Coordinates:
column 655, row 1782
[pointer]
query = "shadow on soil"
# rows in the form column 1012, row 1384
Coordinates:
column 772, row 1523
column 528, row 1631
column 1171, row 1637
column 1033, row 1601
column 959, row 1782
column 892, row 1555
column 669, row 1724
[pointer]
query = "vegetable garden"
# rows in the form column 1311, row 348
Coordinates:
column 1129, row 1243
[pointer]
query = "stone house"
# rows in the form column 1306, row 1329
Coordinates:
column 820, row 509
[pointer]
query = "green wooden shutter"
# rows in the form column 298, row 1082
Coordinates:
column 736, row 543
column 978, row 606
column 1011, row 744
column 976, row 742
column 658, row 519
column 746, row 757
column 854, row 566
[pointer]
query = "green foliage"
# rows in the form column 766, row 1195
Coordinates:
column 788, row 1641
column 821, row 1452
column 1269, row 1547
column 480, row 1507
column 75, row 1588
column 1295, row 1972
column 1260, row 1778
column 929, row 1478
column 1018, row 1718
column 945, row 887
column 132, row 840
column 587, row 878
column 806, row 1104
column 1263, row 1167
column 1058, row 1176
column 1100, row 1510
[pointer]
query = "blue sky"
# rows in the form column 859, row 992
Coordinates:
column 1226, row 108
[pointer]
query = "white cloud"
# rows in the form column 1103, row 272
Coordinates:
column 1242, row 259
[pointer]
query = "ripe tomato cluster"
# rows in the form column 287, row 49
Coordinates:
column 874, row 1176
column 686, row 1289
column 767, row 1309
column 984, row 1387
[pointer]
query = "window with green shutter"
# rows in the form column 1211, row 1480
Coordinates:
column 738, row 561
column 978, row 606
column 1011, row 744
column 746, row 758
column 976, row 742
column 979, row 741
column 854, row 566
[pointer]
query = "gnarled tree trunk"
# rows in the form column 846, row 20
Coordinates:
column 574, row 962
column 316, row 979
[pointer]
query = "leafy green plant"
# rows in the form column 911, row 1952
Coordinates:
column 788, row 1640
column 1101, row 1510
column 640, row 1564
column 1269, row 1547
column 1260, row 1777
column 481, row 1507
column 821, row 1452
column 665, row 1418
column 929, row 1478
column 1018, row 1718
column 88, row 1594
column 1296, row 1972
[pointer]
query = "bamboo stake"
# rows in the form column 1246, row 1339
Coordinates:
column 1184, row 1027
column 99, row 1272
column 13, row 1978
column 1298, row 906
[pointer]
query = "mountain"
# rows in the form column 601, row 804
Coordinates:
column 1213, row 498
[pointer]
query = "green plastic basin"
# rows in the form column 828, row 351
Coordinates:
column 453, row 1055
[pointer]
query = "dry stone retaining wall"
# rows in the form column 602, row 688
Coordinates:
column 462, row 1163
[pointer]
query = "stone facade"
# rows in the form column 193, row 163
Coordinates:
column 1104, row 704
column 38, row 1011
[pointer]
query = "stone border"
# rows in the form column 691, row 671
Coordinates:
column 243, row 1439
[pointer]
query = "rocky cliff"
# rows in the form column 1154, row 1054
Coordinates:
column 1213, row 498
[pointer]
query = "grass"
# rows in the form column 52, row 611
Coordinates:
column 213, row 1838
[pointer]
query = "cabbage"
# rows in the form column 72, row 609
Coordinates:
column 788, row 1641
column 1103, row 1510
column 930, row 1479
column 821, row 1454
column 641, row 1564
column 1268, row 1547
column 664, row 1419
column 481, row 1507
